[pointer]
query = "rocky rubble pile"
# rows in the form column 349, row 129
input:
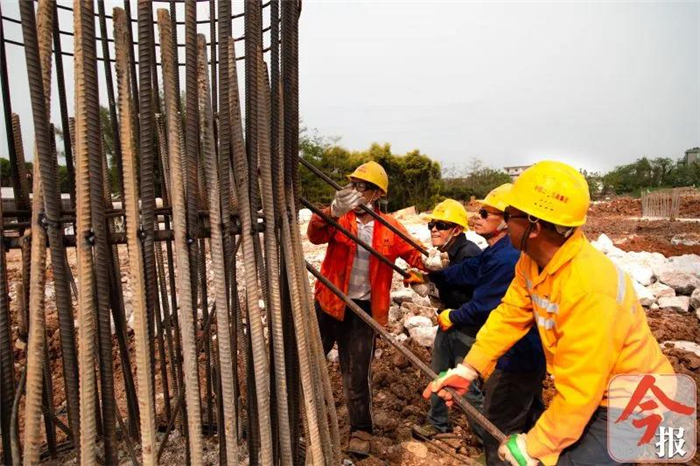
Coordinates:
column 671, row 283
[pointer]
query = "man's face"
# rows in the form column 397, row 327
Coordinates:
column 517, row 225
column 488, row 226
column 442, row 232
column 370, row 192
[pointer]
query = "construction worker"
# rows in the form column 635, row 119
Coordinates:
column 364, row 279
column 512, row 397
column 447, row 224
column 585, row 309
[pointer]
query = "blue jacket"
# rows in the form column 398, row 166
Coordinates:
column 490, row 274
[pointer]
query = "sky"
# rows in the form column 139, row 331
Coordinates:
column 594, row 84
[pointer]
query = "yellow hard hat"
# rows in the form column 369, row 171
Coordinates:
column 497, row 198
column 451, row 211
column 552, row 191
column 373, row 173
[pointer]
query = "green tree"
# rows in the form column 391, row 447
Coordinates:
column 414, row 179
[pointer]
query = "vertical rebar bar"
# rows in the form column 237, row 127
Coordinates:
column 180, row 229
column 36, row 343
column 101, row 248
column 110, row 95
column 131, row 205
column 86, row 301
column 218, row 260
column 63, row 105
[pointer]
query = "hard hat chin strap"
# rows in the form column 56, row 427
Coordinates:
column 531, row 221
column 446, row 245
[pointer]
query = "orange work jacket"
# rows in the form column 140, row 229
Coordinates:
column 340, row 255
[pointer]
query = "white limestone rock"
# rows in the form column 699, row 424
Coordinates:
column 412, row 322
column 683, row 283
column 676, row 303
column 645, row 296
column 333, row 356
column 659, row 290
column 424, row 336
column 639, row 272
column 695, row 299
column 403, row 295
column 689, row 346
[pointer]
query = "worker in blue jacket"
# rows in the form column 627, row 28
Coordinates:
column 513, row 394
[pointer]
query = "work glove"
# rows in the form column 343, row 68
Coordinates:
column 444, row 320
column 415, row 277
column 436, row 260
column 514, row 451
column 345, row 200
column 458, row 378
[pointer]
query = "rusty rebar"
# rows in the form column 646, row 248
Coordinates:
column 131, row 204
column 86, row 294
column 218, row 259
column 180, row 228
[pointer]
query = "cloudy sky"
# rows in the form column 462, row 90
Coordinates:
column 596, row 84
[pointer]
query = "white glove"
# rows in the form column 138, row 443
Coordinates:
column 514, row 451
column 345, row 200
column 436, row 260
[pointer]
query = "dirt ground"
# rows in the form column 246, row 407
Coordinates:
column 397, row 385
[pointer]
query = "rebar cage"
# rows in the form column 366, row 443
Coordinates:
column 178, row 298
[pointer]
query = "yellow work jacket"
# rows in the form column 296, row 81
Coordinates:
column 592, row 328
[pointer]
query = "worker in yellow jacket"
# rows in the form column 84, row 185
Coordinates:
column 586, row 312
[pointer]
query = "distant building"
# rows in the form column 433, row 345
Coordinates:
column 515, row 172
column 692, row 156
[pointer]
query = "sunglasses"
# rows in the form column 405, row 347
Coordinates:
column 440, row 225
column 362, row 186
column 483, row 213
column 507, row 216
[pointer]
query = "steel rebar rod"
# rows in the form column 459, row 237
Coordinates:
column 114, row 122
column 218, row 258
column 412, row 358
column 298, row 282
column 146, row 140
column 255, row 329
column 63, row 106
column 14, row 420
column 179, row 404
column 86, row 294
column 21, row 197
column 191, row 152
column 180, row 227
column 102, row 250
column 38, row 58
column 274, row 303
column 366, row 209
column 7, row 364
column 131, row 204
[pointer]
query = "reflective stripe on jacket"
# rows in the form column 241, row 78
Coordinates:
column 340, row 255
column 592, row 328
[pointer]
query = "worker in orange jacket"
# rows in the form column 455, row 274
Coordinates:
column 364, row 279
column 586, row 312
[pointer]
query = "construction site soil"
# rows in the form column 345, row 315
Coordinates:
column 397, row 386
